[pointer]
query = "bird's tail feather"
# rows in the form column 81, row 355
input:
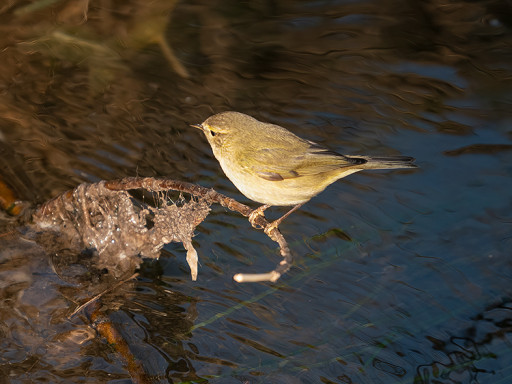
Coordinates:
column 384, row 162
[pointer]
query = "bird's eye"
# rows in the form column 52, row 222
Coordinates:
column 212, row 133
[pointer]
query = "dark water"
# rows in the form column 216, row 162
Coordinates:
column 399, row 277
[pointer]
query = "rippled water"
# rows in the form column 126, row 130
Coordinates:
column 401, row 276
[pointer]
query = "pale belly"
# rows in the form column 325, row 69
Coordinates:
column 282, row 192
column 268, row 192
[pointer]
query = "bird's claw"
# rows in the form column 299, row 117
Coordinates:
column 270, row 227
column 255, row 214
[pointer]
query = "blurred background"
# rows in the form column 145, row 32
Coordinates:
column 399, row 277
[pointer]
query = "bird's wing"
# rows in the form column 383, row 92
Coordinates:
column 282, row 162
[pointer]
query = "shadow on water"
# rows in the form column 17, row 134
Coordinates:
column 399, row 276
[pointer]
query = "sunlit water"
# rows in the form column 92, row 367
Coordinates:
column 401, row 276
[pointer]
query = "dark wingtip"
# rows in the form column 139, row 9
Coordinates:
column 382, row 162
column 406, row 161
column 357, row 160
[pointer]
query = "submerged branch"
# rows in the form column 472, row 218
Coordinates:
column 106, row 328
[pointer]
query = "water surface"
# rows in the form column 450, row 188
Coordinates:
column 399, row 276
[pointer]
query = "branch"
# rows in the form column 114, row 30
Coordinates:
column 105, row 189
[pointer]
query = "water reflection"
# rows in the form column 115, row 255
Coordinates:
column 398, row 278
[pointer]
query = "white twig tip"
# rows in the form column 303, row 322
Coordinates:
column 255, row 277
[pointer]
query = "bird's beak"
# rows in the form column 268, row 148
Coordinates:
column 198, row 126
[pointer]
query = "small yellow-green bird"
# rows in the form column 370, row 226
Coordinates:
column 272, row 166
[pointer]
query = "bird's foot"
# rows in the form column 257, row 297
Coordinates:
column 275, row 224
column 270, row 227
column 255, row 214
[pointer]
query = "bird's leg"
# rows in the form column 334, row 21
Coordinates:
column 269, row 228
column 255, row 213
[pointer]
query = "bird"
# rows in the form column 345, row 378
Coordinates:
column 273, row 166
